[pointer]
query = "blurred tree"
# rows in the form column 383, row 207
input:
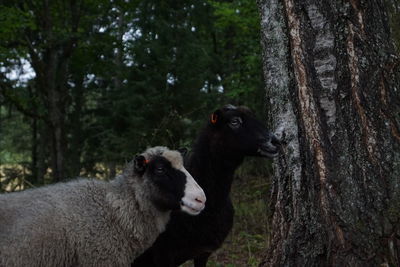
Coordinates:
column 48, row 36
column 236, row 36
column 109, row 78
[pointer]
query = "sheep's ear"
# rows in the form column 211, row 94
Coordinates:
column 140, row 163
column 183, row 151
column 215, row 117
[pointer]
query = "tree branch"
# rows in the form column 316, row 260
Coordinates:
column 6, row 90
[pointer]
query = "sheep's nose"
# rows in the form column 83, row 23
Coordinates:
column 201, row 199
column 270, row 140
column 275, row 141
column 198, row 200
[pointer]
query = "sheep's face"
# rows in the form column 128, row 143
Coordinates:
column 238, row 131
column 173, row 187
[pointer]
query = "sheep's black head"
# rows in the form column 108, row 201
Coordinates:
column 172, row 187
column 237, row 131
column 140, row 163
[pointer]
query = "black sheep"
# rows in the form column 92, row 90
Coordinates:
column 231, row 134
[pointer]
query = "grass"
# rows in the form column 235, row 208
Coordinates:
column 248, row 240
column 12, row 177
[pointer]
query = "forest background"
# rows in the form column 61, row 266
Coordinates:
column 87, row 84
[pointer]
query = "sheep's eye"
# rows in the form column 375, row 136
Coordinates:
column 159, row 170
column 235, row 122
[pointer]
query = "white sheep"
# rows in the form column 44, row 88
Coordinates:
column 88, row 222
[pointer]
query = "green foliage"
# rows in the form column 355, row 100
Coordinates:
column 142, row 73
column 12, row 23
column 14, row 141
column 237, row 29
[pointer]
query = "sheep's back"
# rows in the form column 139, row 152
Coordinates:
column 82, row 222
column 45, row 221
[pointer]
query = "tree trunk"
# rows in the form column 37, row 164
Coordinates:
column 34, row 148
column 42, row 152
column 50, row 56
column 332, row 79
column 55, row 78
column 76, row 140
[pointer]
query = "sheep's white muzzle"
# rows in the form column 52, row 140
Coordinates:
column 194, row 199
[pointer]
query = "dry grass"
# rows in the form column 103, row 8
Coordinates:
column 12, row 177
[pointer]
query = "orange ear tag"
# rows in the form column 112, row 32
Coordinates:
column 146, row 161
column 214, row 118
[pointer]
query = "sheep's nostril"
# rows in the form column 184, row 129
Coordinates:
column 275, row 142
column 198, row 200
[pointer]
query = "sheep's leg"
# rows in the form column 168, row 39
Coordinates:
column 201, row 261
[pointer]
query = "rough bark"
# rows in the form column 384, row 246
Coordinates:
column 332, row 80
